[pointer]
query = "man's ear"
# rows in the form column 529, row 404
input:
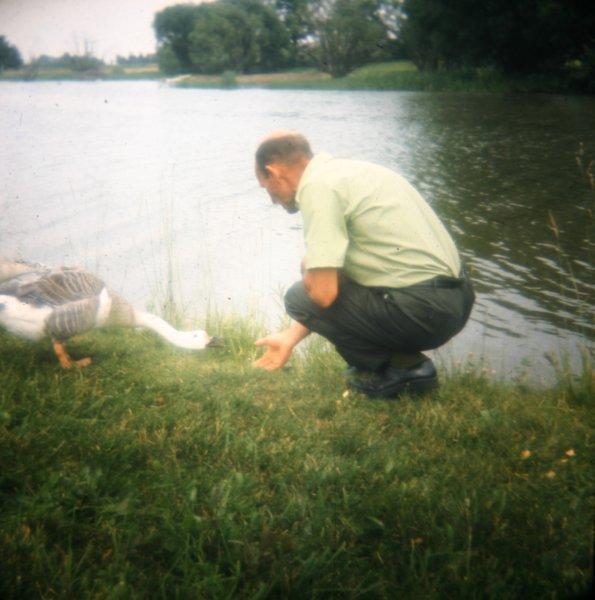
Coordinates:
column 273, row 169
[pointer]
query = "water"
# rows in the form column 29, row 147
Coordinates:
column 136, row 180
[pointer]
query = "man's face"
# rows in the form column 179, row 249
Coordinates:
column 278, row 185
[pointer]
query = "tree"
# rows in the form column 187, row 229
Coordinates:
column 271, row 36
column 134, row 60
column 173, row 26
column 539, row 35
column 10, row 57
column 347, row 34
column 517, row 37
column 78, row 63
column 222, row 40
column 240, row 35
column 167, row 60
column 294, row 15
column 444, row 34
column 391, row 14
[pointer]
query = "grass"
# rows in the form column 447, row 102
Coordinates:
column 394, row 75
column 161, row 473
column 62, row 74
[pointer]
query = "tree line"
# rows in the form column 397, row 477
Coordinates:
column 10, row 57
column 78, row 63
column 514, row 36
column 259, row 35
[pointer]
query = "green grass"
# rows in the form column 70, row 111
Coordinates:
column 62, row 74
column 395, row 75
column 161, row 473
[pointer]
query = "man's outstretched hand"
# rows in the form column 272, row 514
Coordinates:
column 279, row 346
column 279, row 349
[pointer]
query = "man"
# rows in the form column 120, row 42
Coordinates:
column 381, row 278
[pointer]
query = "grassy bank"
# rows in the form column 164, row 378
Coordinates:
column 396, row 75
column 161, row 473
column 110, row 73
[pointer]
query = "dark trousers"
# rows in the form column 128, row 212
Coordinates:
column 369, row 325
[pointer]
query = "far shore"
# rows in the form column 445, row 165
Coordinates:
column 396, row 75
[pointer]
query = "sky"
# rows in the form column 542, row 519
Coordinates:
column 109, row 27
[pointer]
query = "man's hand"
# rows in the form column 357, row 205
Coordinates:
column 280, row 346
column 279, row 349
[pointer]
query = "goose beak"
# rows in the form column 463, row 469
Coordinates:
column 215, row 342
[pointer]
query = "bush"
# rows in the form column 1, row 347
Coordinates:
column 228, row 79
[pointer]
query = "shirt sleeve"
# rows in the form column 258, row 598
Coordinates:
column 325, row 231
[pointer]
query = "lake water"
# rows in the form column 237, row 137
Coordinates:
column 136, row 180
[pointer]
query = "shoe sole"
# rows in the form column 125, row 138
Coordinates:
column 416, row 387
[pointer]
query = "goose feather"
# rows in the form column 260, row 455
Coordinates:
column 37, row 301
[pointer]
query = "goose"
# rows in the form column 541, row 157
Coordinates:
column 37, row 301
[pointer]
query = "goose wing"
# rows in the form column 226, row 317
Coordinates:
column 54, row 288
column 10, row 269
column 73, row 318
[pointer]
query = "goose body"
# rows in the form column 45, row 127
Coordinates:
column 37, row 302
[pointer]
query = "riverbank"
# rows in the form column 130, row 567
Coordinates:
column 109, row 73
column 395, row 75
column 161, row 472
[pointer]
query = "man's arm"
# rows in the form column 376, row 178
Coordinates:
column 322, row 285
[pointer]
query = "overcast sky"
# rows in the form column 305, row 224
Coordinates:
column 53, row 27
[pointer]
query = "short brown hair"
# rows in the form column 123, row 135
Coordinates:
column 285, row 148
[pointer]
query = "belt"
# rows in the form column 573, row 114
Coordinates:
column 442, row 281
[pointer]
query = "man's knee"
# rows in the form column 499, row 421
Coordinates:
column 297, row 302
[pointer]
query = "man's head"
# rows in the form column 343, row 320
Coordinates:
column 280, row 162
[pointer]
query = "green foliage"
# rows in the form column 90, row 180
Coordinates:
column 294, row 15
column 10, row 57
column 404, row 75
column 517, row 37
column 134, row 60
column 172, row 27
column 168, row 61
column 239, row 35
column 271, row 37
column 228, row 79
column 158, row 472
column 222, row 38
column 349, row 33
column 75, row 63
column 83, row 63
column 248, row 36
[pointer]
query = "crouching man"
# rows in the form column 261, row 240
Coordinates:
column 381, row 278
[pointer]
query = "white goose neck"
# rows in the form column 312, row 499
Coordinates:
column 158, row 325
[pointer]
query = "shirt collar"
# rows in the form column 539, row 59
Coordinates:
column 316, row 161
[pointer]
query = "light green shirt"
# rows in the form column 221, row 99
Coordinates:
column 370, row 222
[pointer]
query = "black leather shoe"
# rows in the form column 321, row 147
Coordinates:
column 357, row 372
column 394, row 381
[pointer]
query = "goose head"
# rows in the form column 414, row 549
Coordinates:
column 196, row 340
